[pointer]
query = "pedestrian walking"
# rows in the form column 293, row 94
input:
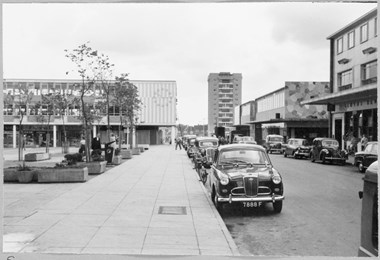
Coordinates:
column 178, row 142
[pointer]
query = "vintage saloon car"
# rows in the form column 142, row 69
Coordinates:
column 200, row 146
column 364, row 158
column 327, row 150
column 298, row 148
column 274, row 143
column 244, row 174
column 184, row 140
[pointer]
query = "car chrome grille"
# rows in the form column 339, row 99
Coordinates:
column 251, row 185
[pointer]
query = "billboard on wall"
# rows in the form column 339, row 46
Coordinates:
column 248, row 112
column 296, row 92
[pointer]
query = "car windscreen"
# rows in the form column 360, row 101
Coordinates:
column 208, row 143
column 371, row 148
column 330, row 143
column 247, row 138
column 243, row 155
column 275, row 139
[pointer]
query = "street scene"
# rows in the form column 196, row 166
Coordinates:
column 136, row 130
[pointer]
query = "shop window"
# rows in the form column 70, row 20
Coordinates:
column 369, row 72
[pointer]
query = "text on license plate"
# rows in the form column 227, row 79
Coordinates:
column 252, row 204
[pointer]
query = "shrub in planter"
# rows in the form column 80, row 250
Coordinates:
column 73, row 158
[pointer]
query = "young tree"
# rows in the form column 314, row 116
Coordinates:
column 125, row 97
column 46, row 102
column 85, row 59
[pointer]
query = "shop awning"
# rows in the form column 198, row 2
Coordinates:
column 353, row 94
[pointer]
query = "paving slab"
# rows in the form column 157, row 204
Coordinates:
column 152, row 204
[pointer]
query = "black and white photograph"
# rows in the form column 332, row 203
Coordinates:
column 175, row 129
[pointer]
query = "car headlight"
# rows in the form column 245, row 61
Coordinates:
column 224, row 180
column 276, row 179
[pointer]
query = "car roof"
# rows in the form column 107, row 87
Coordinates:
column 275, row 135
column 324, row 138
column 241, row 146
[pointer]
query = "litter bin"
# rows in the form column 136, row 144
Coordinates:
column 109, row 154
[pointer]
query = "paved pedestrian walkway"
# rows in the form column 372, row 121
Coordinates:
column 152, row 204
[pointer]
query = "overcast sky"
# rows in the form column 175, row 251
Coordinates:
column 269, row 43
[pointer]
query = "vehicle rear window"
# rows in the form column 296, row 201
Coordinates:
column 330, row 143
column 249, row 156
column 208, row 143
column 275, row 139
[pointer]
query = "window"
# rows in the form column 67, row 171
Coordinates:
column 351, row 39
column 369, row 72
column 364, row 33
column 340, row 45
column 375, row 26
column 345, row 80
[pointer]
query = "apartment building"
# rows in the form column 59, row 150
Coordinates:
column 352, row 100
column 224, row 94
column 158, row 113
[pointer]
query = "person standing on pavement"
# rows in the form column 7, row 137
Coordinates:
column 364, row 142
column 178, row 142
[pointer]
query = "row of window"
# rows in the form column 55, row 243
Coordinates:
column 274, row 101
column 43, row 110
column 350, row 36
column 368, row 74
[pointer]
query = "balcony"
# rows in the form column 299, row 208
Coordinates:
column 369, row 81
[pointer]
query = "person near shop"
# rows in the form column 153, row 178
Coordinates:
column 364, row 141
column 96, row 147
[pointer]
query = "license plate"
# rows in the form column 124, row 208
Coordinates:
column 252, row 204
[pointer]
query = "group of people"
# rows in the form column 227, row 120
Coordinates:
column 96, row 145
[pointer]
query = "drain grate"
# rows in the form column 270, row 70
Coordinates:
column 172, row 210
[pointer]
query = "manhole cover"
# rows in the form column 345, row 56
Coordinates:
column 172, row 210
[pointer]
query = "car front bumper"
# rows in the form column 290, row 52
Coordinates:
column 269, row 198
column 303, row 154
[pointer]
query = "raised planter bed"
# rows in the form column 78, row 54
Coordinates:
column 145, row 146
column 126, row 153
column 70, row 174
column 32, row 157
column 94, row 167
column 14, row 175
column 116, row 159
column 135, row 151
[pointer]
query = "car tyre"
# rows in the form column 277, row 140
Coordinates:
column 277, row 206
column 361, row 167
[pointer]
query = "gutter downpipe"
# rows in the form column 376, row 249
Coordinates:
column 331, row 83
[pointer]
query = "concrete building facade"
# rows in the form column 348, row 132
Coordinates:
column 352, row 100
column 224, row 94
column 156, row 118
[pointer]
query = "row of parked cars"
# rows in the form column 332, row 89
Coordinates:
column 321, row 149
column 240, row 173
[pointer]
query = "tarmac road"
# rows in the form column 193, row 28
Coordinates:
column 320, row 216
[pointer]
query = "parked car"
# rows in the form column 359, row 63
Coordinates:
column 244, row 140
column 199, row 151
column 243, row 174
column 365, row 158
column 369, row 236
column 274, row 143
column 184, row 140
column 190, row 147
column 327, row 150
column 298, row 148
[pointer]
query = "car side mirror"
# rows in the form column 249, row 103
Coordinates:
column 360, row 194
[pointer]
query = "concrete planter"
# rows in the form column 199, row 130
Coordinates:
column 116, row 159
column 126, row 153
column 32, row 157
column 145, row 146
column 135, row 151
column 63, row 174
column 12, row 175
column 94, row 167
column 141, row 149
column 25, row 176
